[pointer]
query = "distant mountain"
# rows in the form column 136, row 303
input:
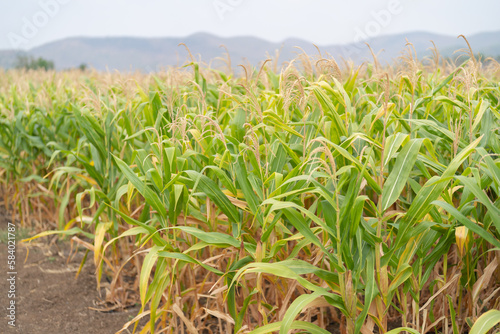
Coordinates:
column 150, row 54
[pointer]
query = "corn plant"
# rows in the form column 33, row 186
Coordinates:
column 275, row 200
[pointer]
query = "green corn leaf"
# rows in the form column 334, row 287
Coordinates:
column 213, row 191
column 150, row 196
column 275, row 326
column 295, row 308
column 471, row 185
column 468, row 223
column 188, row 259
column 398, row 177
column 147, row 266
column 486, row 322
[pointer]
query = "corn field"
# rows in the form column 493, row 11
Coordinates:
column 270, row 199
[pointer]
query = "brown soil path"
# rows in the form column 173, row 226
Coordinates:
column 48, row 298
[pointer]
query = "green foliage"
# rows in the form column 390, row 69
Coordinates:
column 265, row 200
column 83, row 67
column 31, row 63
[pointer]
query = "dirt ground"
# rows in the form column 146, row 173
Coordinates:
column 48, row 298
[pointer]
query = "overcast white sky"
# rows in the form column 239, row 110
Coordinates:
column 29, row 23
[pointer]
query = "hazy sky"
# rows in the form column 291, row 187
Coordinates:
column 29, row 23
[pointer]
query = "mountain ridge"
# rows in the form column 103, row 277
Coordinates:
column 128, row 53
